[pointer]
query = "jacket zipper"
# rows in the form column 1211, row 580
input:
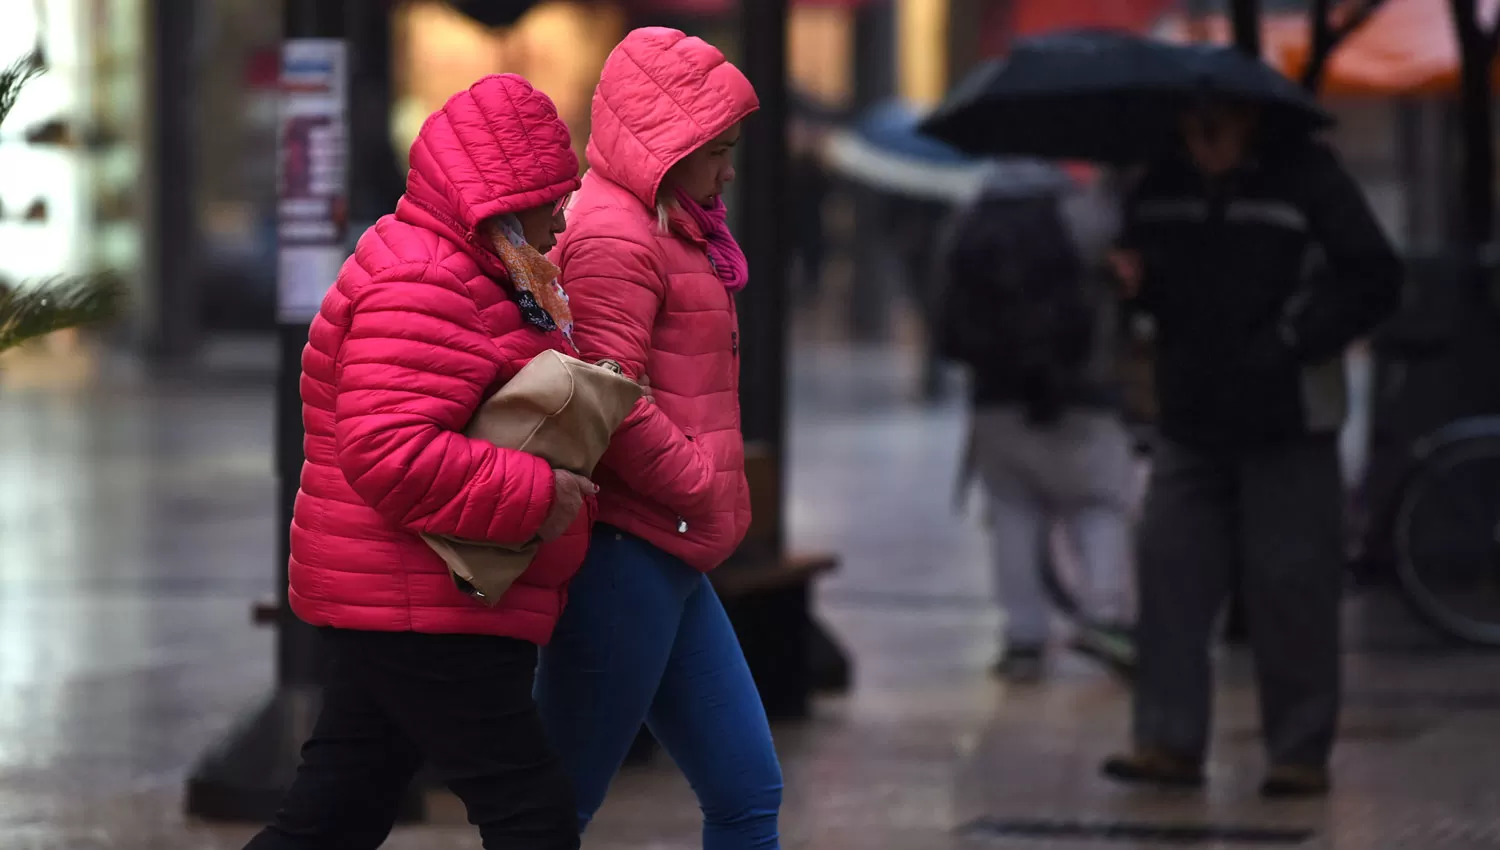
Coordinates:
column 734, row 347
column 682, row 524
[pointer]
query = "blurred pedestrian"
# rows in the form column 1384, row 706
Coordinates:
column 1218, row 241
column 441, row 302
column 653, row 270
column 1022, row 308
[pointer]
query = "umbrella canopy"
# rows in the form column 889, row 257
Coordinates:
column 1107, row 96
column 494, row 13
column 883, row 150
column 893, row 126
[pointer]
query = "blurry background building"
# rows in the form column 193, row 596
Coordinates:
column 149, row 150
column 127, row 136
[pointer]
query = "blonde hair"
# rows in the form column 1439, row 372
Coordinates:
column 664, row 207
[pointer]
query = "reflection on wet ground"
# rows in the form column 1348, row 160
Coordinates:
column 136, row 528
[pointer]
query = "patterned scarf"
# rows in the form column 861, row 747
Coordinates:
column 543, row 302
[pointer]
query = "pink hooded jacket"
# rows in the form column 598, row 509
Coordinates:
column 419, row 328
column 675, row 473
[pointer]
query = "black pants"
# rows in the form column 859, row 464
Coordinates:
column 1276, row 511
column 460, row 703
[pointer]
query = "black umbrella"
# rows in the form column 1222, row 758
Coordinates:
column 1107, row 97
column 493, row 13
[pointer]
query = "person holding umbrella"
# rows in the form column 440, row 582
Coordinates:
column 1219, row 238
column 1260, row 261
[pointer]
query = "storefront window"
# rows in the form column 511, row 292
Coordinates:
column 559, row 46
column 43, row 178
column 820, row 53
column 114, row 86
column 922, row 27
column 70, row 151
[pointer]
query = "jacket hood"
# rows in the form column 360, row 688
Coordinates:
column 499, row 147
column 661, row 96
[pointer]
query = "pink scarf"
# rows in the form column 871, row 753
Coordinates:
column 723, row 252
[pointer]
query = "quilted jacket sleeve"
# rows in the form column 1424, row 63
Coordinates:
column 1361, row 285
column 615, row 289
column 413, row 368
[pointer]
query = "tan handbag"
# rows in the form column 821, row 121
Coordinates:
column 560, row 409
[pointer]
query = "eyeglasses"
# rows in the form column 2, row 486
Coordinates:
column 562, row 204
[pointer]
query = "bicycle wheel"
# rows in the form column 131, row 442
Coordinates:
column 1448, row 532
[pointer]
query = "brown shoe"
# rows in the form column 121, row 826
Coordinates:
column 1286, row 781
column 1154, row 766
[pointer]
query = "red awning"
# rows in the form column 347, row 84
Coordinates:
column 1406, row 48
column 716, row 8
column 1034, row 17
column 1004, row 22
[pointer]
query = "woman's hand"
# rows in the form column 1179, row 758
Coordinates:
column 645, row 383
column 569, row 491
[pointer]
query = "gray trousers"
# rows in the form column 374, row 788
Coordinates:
column 1075, row 475
column 1277, row 511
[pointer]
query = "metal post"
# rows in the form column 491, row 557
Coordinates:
column 874, row 53
column 965, row 32
column 763, row 234
column 875, row 47
column 1245, row 17
column 788, row 652
column 172, row 241
column 1476, row 100
column 313, row 149
column 377, row 177
column 244, row 776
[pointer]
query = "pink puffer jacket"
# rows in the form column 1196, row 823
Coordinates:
column 675, row 473
column 417, row 331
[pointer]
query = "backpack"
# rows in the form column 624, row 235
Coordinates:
column 1016, row 307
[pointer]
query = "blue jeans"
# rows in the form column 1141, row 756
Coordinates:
column 644, row 638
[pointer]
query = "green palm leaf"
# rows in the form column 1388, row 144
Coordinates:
column 36, row 310
column 31, row 311
column 14, row 78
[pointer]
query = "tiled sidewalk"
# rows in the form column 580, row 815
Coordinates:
column 135, row 528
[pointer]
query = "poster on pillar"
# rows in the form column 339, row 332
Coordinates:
column 312, row 192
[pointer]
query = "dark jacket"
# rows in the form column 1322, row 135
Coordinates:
column 1021, row 306
column 1257, row 286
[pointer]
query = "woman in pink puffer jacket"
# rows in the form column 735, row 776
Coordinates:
column 441, row 304
column 652, row 270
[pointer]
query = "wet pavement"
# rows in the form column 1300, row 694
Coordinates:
column 136, row 529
